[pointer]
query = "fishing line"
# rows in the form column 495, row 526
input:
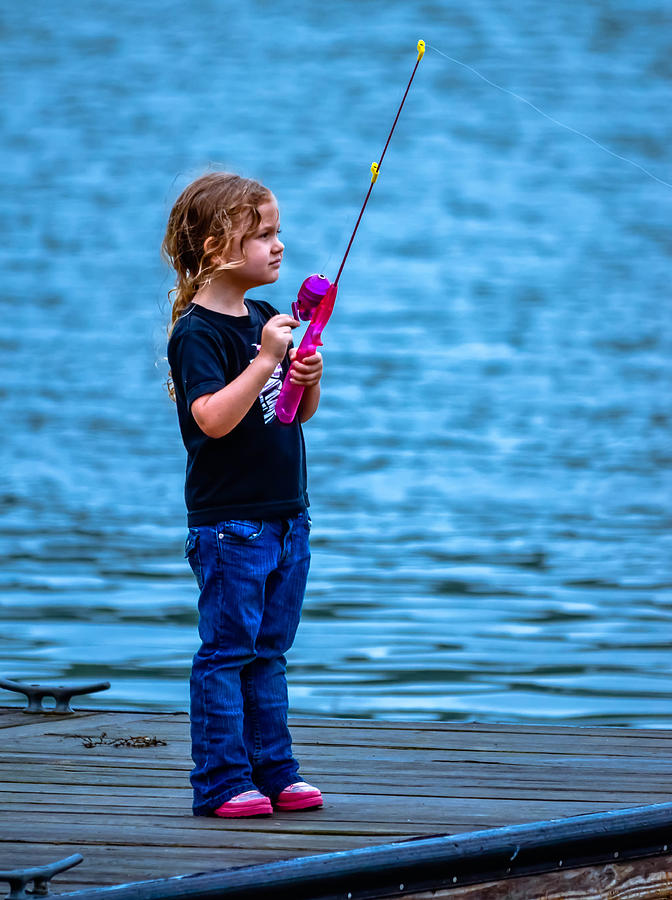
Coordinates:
column 551, row 118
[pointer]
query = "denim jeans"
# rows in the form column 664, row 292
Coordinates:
column 252, row 576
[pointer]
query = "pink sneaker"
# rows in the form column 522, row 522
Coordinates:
column 249, row 803
column 299, row 796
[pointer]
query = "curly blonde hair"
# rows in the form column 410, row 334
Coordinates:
column 214, row 210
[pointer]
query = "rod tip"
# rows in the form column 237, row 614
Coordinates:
column 421, row 50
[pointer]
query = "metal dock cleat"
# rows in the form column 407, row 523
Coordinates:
column 39, row 875
column 62, row 694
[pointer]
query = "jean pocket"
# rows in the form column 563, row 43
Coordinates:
column 304, row 519
column 192, row 554
column 240, row 529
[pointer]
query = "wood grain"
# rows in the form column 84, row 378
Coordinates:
column 65, row 787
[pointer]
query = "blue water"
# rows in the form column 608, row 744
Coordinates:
column 490, row 469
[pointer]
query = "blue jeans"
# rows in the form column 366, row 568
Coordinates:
column 252, row 576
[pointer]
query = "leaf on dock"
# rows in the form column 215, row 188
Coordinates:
column 96, row 740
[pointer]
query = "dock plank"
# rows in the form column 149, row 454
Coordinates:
column 127, row 808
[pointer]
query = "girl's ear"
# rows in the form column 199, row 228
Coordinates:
column 208, row 247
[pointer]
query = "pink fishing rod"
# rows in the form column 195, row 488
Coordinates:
column 316, row 297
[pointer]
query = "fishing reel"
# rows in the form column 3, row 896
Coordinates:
column 310, row 294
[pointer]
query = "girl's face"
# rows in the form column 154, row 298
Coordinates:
column 263, row 250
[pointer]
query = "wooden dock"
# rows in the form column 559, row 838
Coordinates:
column 114, row 787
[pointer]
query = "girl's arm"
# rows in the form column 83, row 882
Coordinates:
column 217, row 414
column 308, row 373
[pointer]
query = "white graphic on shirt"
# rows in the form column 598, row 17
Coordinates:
column 270, row 391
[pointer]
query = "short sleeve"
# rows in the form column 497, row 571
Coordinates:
column 198, row 364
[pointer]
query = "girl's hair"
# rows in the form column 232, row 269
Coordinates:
column 220, row 206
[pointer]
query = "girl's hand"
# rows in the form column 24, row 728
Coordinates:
column 307, row 372
column 276, row 336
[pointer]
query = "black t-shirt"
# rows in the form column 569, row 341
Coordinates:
column 258, row 469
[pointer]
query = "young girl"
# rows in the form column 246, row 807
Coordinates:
column 245, row 492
